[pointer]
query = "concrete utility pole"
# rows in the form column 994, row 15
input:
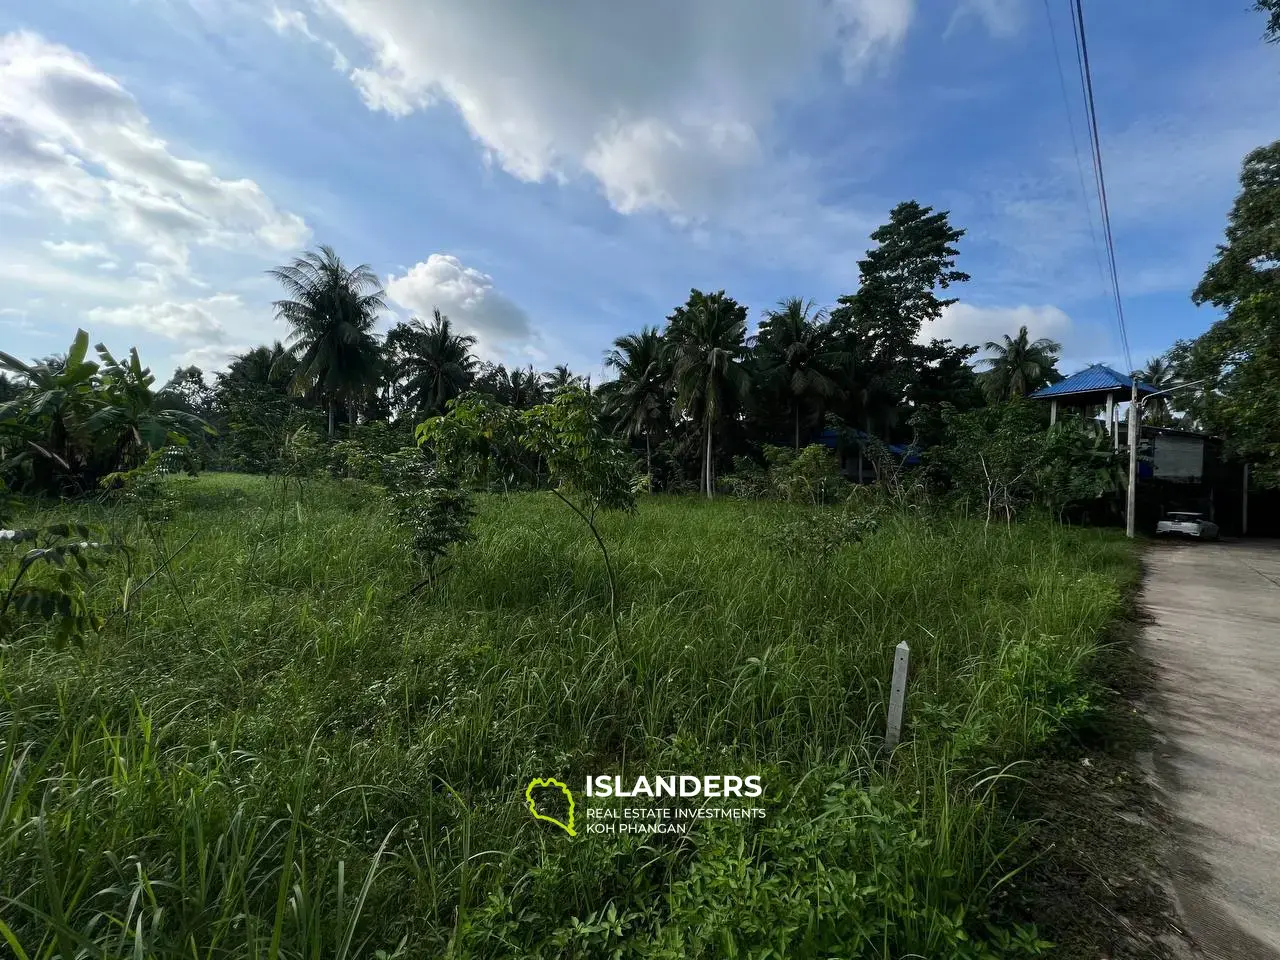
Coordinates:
column 1135, row 431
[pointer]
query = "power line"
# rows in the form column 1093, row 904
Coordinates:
column 1075, row 147
column 1086, row 80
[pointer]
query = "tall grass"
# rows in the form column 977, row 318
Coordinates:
column 299, row 761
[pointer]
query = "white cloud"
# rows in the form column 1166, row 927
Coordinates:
column 284, row 22
column 210, row 357
column 69, row 250
column 976, row 326
column 467, row 297
column 199, row 320
column 1003, row 18
column 74, row 138
column 657, row 101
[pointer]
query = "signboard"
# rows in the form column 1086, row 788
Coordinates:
column 1179, row 458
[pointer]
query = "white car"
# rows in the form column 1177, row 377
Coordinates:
column 1188, row 525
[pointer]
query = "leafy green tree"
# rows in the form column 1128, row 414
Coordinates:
column 914, row 258
column 589, row 470
column 332, row 310
column 431, row 363
column 519, row 387
column 1018, row 366
column 253, row 399
column 708, row 335
column 1239, row 356
column 797, row 349
column 638, row 399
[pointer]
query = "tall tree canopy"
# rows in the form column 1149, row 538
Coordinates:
column 1239, row 356
column 1018, row 366
column 709, row 339
column 638, row 398
column 432, row 363
column 800, row 353
column 914, row 258
column 332, row 310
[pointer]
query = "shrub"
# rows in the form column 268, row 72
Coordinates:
column 428, row 504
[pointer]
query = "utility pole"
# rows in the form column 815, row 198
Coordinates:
column 1135, row 430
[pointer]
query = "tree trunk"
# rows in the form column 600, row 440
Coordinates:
column 797, row 405
column 710, row 484
column 332, row 411
column 648, row 457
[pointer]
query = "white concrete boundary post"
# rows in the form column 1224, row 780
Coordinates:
column 897, row 695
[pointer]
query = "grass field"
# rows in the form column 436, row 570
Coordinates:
column 275, row 753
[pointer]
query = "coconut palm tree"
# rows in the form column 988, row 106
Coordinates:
column 1160, row 374
column 332, row 310
column 637, row 399
column 708, row 336
column 431, row 362
column 559, row 378
column 797, row 347
column 1018, row 366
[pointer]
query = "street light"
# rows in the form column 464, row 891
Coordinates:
column 1135, row 431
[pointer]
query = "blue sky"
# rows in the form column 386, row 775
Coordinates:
column 553, row 175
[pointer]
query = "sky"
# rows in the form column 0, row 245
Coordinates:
column 552, row 175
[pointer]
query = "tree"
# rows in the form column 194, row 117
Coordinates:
column 75, row 421
column 588, row 469
column 47, row 423
column 1272, row 9
column 708, row 336
column 560, row 377
column 332, row 310
column 519, row 387
column 432, row 364
column 1159, row 373
column 253, row 400
column 914, row 257
column 798, row 349
column 1018, row 366
column 1239, row 356
column 638, row 398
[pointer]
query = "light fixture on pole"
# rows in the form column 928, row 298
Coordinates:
column 1135, row 433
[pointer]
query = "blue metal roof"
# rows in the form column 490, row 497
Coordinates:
column 1094, row 379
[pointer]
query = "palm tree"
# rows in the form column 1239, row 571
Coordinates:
column 559, row 378
column 708, row 335
column 1018, row 366
column 1160, row 374
column 638, row 397
column 332, row 310
column 433, row 363
column 798, row 347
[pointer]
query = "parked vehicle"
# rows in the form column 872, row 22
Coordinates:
column 1187, row 524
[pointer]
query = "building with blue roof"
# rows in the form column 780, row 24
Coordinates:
column 1096, row 386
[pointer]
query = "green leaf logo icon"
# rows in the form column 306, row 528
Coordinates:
column 533, row 804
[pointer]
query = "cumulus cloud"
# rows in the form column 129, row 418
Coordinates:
column 466, row 296
column 975, row 325
column 76, row 139
column 657, row 101
column 198, row 320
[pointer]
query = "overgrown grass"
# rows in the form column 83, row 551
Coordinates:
column 275, row 753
